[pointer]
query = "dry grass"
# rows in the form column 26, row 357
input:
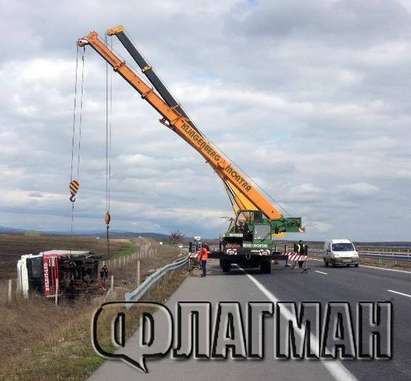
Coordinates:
column 41, row 341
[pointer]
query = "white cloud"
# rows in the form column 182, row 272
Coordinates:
column 305, row 193
column 309, row 99
column 359, row 189
column 318, row 226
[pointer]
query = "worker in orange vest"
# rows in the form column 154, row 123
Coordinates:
column 202, row 257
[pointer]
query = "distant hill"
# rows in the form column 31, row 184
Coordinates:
column 113, row 233
column 159, row 236
column 7, row 230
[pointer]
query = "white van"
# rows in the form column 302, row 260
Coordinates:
column 340, row 252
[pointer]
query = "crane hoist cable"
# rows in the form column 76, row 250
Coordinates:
column 108, row 114
column 76, row 132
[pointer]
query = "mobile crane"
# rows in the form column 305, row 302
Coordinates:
column 249, row 238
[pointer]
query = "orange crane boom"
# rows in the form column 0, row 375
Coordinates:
column 245, row 194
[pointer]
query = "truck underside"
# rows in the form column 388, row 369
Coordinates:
column 66, row 272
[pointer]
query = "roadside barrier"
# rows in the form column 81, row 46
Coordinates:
column 295, row 257
column 152, row 279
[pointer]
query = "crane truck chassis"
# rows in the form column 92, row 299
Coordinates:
column 248, row 243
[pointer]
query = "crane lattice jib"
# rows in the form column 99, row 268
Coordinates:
column 231, row 176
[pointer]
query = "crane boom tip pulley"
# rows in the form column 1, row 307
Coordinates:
column 115, row 30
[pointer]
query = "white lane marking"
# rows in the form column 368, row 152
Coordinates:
column 314, row 259
column 337, row 370
column 386, row 269
column 400, row 293
column 320, row 272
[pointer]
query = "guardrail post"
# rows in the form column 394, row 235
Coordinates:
column 18, row 287
column 56, row 296
column 10, row 289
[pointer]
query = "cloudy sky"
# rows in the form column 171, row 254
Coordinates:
column 311, row 99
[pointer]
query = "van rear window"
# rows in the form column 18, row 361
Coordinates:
column 343, row 247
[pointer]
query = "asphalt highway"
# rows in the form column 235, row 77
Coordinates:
column 284, row 284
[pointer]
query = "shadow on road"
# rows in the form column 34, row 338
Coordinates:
column 213, row 269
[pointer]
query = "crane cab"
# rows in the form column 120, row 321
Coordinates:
column 250, row 229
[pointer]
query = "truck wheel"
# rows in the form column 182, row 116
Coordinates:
column 265, row 267
column 356, row 265
column 226, row 267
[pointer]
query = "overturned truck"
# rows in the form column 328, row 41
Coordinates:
column 58, row 272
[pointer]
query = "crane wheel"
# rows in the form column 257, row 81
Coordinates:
column 226, row 267
column 265, row 267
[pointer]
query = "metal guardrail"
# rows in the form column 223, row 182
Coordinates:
column 152, row 279
column 377, row 249
column 376, row 255
column 391, row 257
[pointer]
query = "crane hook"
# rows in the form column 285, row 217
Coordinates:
column 74, row 186
column 107, row 218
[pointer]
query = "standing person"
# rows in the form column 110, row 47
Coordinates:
column 202, row 257
column 104, row 275
column 305, row 252
column 301, row 251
